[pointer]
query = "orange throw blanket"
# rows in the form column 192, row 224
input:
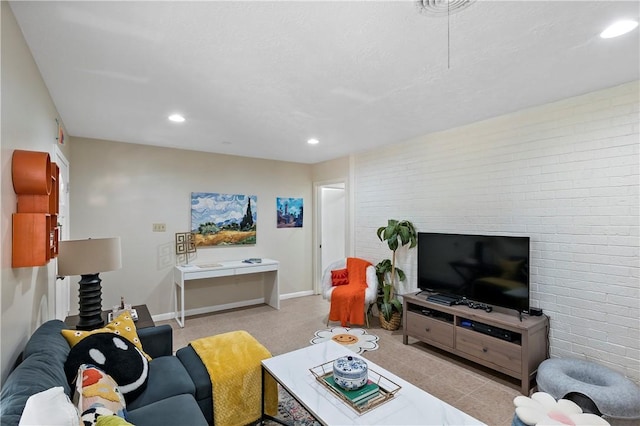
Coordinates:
column 347, row 301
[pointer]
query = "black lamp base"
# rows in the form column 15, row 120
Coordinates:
column 90, row 302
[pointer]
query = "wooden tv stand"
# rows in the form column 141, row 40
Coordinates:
column 498, row 340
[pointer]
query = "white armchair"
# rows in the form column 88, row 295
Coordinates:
column 370, row 294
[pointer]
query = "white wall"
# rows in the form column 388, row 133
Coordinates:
column 28, row 122
column 565, row 174
column 120, row 189
column 331, row 170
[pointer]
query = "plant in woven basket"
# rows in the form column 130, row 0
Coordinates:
column 397, row 234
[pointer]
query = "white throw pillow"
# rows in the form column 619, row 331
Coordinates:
column 50, row 408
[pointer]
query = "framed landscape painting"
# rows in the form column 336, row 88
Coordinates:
column 289, row 212
column 223, row 219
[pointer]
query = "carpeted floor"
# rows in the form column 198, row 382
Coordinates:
column 483, row 394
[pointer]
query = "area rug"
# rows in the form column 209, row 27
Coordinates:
column 355, row 339
column 291, row 411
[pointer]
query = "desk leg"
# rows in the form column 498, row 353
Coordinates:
column 182, row 303
column 179, row 316
column 272, row 289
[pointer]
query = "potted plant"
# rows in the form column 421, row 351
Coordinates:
column 397, row 234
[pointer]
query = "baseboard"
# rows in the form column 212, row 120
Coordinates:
column 216, row 308
column 297, row 294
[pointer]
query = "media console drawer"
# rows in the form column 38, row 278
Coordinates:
column 434, row 330
column 502, row 354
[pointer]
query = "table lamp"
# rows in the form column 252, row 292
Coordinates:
column 88, row 258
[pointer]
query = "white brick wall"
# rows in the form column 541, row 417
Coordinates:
column 567, row 175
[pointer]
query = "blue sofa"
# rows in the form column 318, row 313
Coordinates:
column 169, row 397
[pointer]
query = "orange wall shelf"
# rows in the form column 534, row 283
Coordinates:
column 35, row 224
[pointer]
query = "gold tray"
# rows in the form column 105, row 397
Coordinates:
column 387, row 388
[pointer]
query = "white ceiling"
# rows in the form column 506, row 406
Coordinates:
column 259, row 78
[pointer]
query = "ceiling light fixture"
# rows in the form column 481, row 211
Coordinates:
column 176, row 118
column 619, row 28
column 313, row 141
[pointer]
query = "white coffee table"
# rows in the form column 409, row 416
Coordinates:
column 410, row 405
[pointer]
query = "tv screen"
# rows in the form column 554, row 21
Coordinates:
column 493, row 270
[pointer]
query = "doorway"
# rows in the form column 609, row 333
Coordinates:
column 331, row 228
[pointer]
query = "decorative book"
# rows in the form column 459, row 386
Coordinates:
column 357, row 396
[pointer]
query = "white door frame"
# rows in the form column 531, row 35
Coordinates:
column 61, row 293
column 317, row 234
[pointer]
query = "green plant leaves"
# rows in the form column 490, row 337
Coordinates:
column 396, row 304
column 396, row 234
column 387, row 310
column 407, row 234
column 383, row 270
column 386, row 291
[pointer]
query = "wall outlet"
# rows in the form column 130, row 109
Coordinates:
column 159, row 227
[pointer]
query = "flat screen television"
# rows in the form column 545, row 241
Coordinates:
column 488, row 269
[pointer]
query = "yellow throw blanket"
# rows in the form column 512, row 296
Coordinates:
column 233, row 362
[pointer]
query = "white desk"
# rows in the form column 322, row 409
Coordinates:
column 410, row 406
column 182, row 274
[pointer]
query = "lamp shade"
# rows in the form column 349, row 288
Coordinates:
column 91, row 256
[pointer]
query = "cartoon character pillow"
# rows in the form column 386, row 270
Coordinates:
column 114, row 355
column 97, row 395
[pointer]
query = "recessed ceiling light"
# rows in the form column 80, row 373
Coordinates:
column 313, row 141
column 618, row 28
column 176, row 118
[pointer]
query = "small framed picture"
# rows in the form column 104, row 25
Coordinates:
column 60, row 134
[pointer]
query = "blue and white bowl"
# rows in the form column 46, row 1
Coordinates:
column 350, row 372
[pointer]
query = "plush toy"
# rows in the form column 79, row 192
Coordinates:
column 543, row 409
column 114, row 355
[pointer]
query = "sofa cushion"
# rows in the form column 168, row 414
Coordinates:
column 47, row 339
column 200, row 376
column 116, row 356
column 176, row 410
column 167, row 378
column 36, row 373
column 196, row 369
column 123, row 325
column 41, row 369
column 157, row 341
